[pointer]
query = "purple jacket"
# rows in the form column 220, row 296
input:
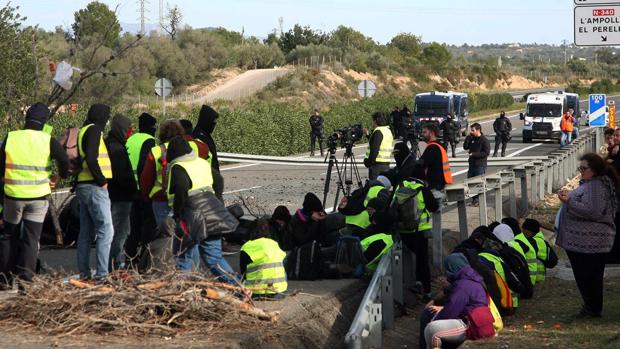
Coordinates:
column 464, row 294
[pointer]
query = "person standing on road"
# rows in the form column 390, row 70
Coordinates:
column 502, row 127
column 450, row 130
column 396, row 118
column 92, row 193
column 316, row 131
column 122, row 188
column 379, row 152
column 479, row 149
column 566, row 126
column 25, row 160
column 587, row 229
column 435, row 160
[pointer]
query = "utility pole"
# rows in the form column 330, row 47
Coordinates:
column 564, row 42
column 161, row 17
column 142, row 12
column 281, row 23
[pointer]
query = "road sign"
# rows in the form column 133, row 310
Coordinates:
column 163, row 87
column 597, row 25
column 597, row 110
column 612, row 114
column 366, row 88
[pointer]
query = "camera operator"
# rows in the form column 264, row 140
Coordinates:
column 379, row 152
column 316, row 131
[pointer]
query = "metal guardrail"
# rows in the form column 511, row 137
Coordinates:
column 535, row 178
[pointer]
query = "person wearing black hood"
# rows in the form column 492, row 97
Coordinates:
column 308, row 222
column 122, row 187
column 207, row 120
column 203, row 219
column 92, row 193
column 25, row 157
column 140, row 143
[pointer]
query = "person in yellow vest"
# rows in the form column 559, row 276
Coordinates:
column 545, row 255
column 201, row 216
column 379, row 152
column 379, row 242
column 521, row 244
column 25, row 166
column 92, row 193
column 355, row 207
column 261, row 262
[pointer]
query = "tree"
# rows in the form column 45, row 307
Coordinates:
column 301, row 36
column 96, row 20
column 346, row 38
column 407, row 43
column 173, row 19
column 436, row 56
column 606, row 56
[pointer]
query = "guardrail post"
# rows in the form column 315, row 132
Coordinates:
column 408, row 267
column 387, row 301
column 477, row 187
column 375, row 337
column 550, row 175
column 495, row 183
column 521, row 173
column 542, row 172
column 457, row 193
column 509, row 178
column 532, row 172
column 397, row 273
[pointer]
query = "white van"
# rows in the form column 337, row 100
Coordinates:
column 543, row 115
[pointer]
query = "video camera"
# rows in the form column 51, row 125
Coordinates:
column 347, row 136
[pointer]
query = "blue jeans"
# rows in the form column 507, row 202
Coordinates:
column 576, row 132
column 566, row 138
column 185, row 260
column 121, row 211
column 95, row 223
column 211, row 255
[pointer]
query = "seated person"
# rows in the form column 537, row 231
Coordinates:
column 279, row 226
column 379, row 240
column 545, row 255
column 261, row 263
column 354, row 207
column 308, row 222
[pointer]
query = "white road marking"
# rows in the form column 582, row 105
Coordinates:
column 236, row 167
column 240, row 190
column 524, row 149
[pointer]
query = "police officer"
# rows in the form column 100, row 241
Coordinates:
column 316, row 131
column 450, row 129
column 396, row 117
column 502, row 127
column 262, row 262
column 25, row 158
column 379, row 152
column 409, row 134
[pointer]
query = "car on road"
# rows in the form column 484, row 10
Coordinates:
column 435, row 106
column 543, row 115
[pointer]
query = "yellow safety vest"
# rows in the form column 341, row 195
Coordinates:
column 499, row 268
column 266, row 274
column 134, row 146
column 385, row 149
column 530, row 256
column 28, row 164
column 362, row 219
column 102, row 159
column 387, row 239
column 541, row 256
column 425, row 218
column 199, row 172
column 159, row 155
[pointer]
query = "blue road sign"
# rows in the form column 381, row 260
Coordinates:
column 598, row 110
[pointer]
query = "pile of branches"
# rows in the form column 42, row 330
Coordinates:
column 129, row 303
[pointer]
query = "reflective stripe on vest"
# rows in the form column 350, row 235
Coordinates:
column 425, row 218
column 102, row 158
column 499, row 268
column 530, row 256
column 362, row 219
column 387, row 239
column 445, row 163
column 159, row 155
column 266, row 273
column 134, row 146
column 385, row 149
column 28, row 164
column 541, row 256
column 198, row 171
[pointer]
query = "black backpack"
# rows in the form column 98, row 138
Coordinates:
column 304, row 262
column 518, row 266
column 349, row 253
column 405, row 207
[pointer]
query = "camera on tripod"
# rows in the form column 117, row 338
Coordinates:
column 347, row 135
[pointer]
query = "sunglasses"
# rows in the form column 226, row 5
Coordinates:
column 582, row 168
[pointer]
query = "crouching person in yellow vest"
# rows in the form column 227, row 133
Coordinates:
column 261, row 261
column 522, row 245
column 355, row 206
column 25, row 165
column 545, row 255
column 379, row 152
column 201, row 216
column 92, row 193
column 380, row 241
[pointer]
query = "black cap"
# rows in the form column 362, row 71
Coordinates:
column 513, row 224
column 187, row 126
column 38, row 112
column 531, row 225
column 146, row 122
column 99, row 114
column 312, row 203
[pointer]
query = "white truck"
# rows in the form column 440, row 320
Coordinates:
column 543, row 115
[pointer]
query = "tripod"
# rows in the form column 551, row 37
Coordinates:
column 346, row 173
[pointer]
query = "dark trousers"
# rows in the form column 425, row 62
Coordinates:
column 452, row 143
column 418, row 244
column 19, row 249
column 313, row 138
column 503, row 140
column 588, row 269
column 375, row 170
column 142, row 229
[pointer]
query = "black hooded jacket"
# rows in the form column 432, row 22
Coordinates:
column 207, row 119
column 98, row 115
column 122, row 187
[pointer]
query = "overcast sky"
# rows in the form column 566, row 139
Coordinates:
column 449, row 21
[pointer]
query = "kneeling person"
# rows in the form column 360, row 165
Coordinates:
column 262, row 262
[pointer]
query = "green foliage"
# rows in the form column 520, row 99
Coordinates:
column 301, row 36
column 258, row 56
column 347, row 38
column 407, row 43
column 479, row 101
column 96, row 20
column 577, row 66
column 436, row 56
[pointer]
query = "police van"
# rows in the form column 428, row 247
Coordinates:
column 543, row 116
column 435, row 107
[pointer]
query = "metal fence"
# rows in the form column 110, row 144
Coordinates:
column 534, row 179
